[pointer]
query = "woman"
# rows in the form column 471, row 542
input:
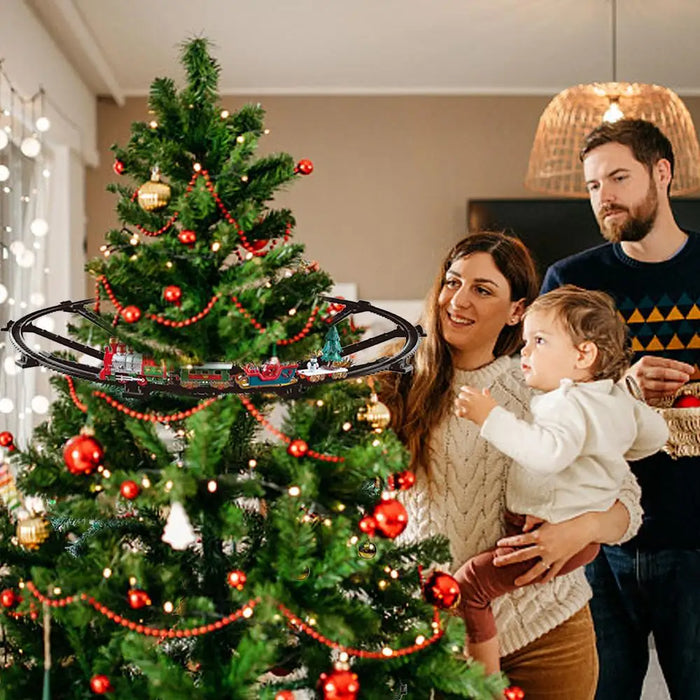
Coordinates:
column 473, row 323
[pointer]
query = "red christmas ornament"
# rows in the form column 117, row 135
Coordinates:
column 131, row 313
column 129, row 489
column 514, row 693
column 284, row 695
column 100, row 684
column 441, row 590
column 260, row 244
column 9, row 599
column 402, row 480
column 236, row 579
column 138, row 599
column 368, row 525
column 187, row 237
column 7, row 439
column 391, row 517
column 686, row 401
column 82, row 454
column 297, row 448
column 118, row 166
column 304, row 167
column 339, row 685
column 172, row 294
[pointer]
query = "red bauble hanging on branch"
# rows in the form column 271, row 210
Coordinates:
column 402, row 480
column 172, row 294
column 118, row 166
column 441, row 590
column 339, row 684
column 368, row 525
column 391, row 517
column 7, row 440
column 284, row 695
column 131, row 314
column 129, row 489
column 297, row 448
column 187, row 237
column 82, row 454
column 138, row 598
column 9, row 599
column 236, row 579
column 100, row 684
column 514, row 693
column 304, row 167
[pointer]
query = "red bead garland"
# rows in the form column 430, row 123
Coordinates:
column 270, row 428
column 152, row 417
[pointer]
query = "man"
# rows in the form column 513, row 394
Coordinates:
column 652, row 269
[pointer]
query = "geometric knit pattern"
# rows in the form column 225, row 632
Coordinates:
column 463, row 498
column 663, row 325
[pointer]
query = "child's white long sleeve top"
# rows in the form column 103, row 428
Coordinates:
column 571, row 458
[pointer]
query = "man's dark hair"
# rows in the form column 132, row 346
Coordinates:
column 646, row 141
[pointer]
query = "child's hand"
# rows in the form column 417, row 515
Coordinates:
column 473, row 404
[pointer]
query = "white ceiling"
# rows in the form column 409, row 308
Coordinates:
column 381, row 46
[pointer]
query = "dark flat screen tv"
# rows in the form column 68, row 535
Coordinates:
column 555, row 228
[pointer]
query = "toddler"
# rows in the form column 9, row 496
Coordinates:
column 571, row 457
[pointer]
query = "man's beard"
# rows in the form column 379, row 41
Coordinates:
column 639, row 221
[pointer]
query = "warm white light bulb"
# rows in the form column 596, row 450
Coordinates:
column 6, row 405
column 4, row 173
column 30, row 146
column 613, row 113
column 39, row 227
column 4, row 139
column 43, row 124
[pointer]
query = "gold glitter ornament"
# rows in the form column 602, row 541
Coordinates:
column 154, row 194
column 367, row 550
column 375, row 413
column 32, row 532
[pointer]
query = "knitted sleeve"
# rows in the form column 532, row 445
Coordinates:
column 630, row 496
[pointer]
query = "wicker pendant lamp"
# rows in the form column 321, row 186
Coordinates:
column 554, row 166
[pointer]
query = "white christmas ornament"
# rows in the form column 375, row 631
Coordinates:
column 30, row 146
column 178, row 532
column 39, row 227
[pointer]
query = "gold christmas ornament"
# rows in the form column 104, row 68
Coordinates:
column 367, row 550
column 32, row 532
column 375, row 413
column 154, row 194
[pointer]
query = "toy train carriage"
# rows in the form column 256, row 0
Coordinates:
column 271, row 373
column 216, row 374
column 122, row 364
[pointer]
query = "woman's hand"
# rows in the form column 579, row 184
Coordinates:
column 550, row 545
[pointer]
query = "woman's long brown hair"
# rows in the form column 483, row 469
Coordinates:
column 419, row 400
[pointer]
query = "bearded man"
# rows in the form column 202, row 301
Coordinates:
column 651, row 267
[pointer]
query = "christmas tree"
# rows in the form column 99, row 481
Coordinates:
column 176, row 542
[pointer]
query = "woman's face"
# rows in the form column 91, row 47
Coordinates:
column 474, row 305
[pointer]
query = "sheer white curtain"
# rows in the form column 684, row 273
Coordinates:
column 25, row 231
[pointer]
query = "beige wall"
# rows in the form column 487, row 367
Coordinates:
column 391, row 180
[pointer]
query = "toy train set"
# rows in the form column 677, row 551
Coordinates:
column 123, row 365
column 139, row 375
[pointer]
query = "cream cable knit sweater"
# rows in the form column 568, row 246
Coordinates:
column 465, row 500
